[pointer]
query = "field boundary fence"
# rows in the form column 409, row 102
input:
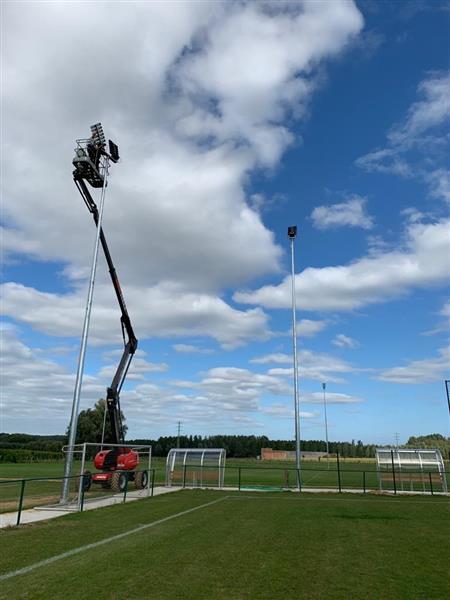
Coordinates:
column 340, row 479
column 20, row 494
column 48, row 499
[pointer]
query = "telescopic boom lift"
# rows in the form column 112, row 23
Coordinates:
column 117, row 465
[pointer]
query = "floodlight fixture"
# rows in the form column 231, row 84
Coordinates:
column 113, row 151
column 292, row 232
column 97, row 134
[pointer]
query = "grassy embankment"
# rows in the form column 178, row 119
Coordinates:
column 248, row 546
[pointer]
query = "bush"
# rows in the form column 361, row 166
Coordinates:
column 25, row 456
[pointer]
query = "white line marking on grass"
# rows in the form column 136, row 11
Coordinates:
column 305, row 483
column 52, row 559
column 335, row 498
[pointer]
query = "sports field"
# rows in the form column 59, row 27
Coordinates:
column 209, row 545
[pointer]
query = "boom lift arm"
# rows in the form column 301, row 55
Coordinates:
column 130, row 340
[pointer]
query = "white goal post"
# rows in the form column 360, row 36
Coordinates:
column 83, row 452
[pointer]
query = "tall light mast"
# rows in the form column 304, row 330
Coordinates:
column 292, row 233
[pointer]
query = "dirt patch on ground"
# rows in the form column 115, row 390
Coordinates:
column 13, row 505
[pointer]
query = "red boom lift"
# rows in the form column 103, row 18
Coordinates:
column 118, row 465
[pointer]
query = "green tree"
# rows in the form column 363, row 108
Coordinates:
column 433, row 440
column 90, row 424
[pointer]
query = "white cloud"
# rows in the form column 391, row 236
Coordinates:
column 162, row 311
column 311, row 365
column 420, row 140
column 138, row 369
column 220, row 399
column 272, row 50
column 439, row 182
column 425, row 114
column 285, row 412
column 444, row 325
column 343, row 341
column 191, row 127
column 445, row 310
column 36, row 389
column 221, row 394
column 424, row 261
column 310, row 327
column 385, row 160
column 331, row 398
column 420, row 371
column 278, row 358
column 191, row 349
column 350, row 213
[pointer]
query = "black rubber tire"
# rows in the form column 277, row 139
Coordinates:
column 141, row 480
column 118, row 481
column 87, row 481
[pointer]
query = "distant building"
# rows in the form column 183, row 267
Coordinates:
column 269, row 454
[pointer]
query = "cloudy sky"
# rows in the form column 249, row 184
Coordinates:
column 234, row 120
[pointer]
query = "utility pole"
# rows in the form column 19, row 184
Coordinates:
column 292, row 233
column 178, row 433
column 324, row 387
column 397, row 436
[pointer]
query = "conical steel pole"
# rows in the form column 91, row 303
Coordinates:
column 292, row 234
column 82, row 355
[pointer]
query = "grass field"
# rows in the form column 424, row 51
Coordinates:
column 237, row 546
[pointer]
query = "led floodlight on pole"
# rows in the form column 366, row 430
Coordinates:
column 292, row 233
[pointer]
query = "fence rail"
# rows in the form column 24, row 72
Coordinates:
column 31, row 492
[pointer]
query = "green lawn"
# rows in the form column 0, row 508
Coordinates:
column 248, row 546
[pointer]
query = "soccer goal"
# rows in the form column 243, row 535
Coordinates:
column 411, row 469
column 108, row 466
column 195, row 467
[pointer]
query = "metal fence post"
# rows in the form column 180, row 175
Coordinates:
column 82, row 492
column 239, row 478
column 393, row 472
column 153, row 481
column 299, row 480
column 338, row 472
column 431, row 483
column 22, row 491
column 364, row 481
column 126, row 488
column 184, row 475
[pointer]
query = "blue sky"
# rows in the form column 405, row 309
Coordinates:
column 234, row 120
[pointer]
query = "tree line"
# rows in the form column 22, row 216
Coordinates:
column 90, row 429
